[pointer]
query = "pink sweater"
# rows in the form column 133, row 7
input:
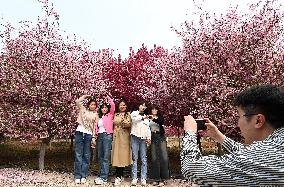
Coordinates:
column 108, row 119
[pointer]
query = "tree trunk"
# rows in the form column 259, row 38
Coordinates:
column 1, row 137
column 42, row 150
column 179, row 139
column 72, row 142
column 94, row 154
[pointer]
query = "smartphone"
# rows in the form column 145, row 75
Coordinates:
column 201, row 124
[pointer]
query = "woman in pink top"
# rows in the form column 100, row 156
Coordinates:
column 104, row 131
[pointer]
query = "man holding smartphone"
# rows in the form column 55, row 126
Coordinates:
column 257, row 162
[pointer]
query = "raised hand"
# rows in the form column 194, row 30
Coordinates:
column 213, row 132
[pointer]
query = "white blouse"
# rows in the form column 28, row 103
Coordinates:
column 101, row 126
column 140, row 127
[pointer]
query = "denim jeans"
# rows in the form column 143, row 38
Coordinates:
column 138, row 144
column 82, row 154
column 160, row 160
column 104, row 144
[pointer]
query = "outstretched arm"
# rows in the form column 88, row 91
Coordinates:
column 112, row 105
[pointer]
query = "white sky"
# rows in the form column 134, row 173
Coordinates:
column 116, row 24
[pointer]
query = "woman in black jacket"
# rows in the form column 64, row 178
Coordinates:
column 160, row 160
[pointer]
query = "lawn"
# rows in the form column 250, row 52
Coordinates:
column 60, row 155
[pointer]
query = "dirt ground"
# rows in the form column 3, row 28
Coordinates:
column 15, row 177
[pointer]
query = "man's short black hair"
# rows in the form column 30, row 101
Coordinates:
column 264, row 99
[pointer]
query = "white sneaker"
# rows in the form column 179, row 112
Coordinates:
column 77, row 181
column 143, row 182
column 100, row 181
column 134, row 182
column 117, row 181
column 83, row 180
column 155, row 183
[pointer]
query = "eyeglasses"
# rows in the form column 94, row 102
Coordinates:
column 247, row 115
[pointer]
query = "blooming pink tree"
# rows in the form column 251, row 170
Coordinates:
column 221, row 56
column 42, row 74
column 131, row 78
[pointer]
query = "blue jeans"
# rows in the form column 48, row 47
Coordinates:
column 104, row 144
column 82, row 154
column 138, row 144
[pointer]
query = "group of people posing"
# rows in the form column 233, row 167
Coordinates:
column 121, row 136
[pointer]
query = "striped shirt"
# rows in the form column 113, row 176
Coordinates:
column 258, row 164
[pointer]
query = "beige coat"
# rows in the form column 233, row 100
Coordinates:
column 121, row 147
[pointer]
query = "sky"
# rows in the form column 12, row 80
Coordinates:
column 116, row 24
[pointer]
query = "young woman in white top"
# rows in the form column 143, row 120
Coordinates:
column 140, row 137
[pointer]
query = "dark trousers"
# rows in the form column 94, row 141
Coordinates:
column 160, row 160
column 119, row 172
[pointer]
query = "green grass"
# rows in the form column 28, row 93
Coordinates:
column 60, row 157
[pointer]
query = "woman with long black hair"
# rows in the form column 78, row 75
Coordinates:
column 121, row 147
column 104, row 131
column 160, row 160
